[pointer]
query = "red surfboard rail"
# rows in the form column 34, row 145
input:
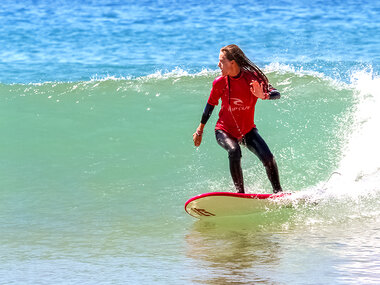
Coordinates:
column 240, row 195
column 205, row 212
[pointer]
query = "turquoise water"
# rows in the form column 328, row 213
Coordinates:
column 98, row 104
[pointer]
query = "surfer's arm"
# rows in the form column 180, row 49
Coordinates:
column 197, row 136
column 207, row 113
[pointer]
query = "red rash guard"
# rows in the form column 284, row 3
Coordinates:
column 236, row 116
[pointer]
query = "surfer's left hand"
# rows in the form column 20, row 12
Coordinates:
column 257, row 90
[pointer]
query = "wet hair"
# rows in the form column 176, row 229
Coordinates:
column 233, row 52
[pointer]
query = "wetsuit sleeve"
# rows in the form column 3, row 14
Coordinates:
column 207, row 113
column 273, row 93
column 218, row 87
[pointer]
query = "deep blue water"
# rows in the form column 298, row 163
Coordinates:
column 78, row 40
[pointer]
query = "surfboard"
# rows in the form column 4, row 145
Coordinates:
column 219, row 204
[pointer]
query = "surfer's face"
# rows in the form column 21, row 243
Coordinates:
column 228, row 67
column 224, row 64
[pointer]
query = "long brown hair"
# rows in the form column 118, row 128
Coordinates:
column 233, row 52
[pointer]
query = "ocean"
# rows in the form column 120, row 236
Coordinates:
column 98, row 104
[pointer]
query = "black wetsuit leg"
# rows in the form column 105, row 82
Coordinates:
column 258, row 146
column 234, row 155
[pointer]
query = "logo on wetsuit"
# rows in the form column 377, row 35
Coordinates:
column 238, row 105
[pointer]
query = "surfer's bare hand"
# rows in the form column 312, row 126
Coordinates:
column 258, row 90
column 197, row 138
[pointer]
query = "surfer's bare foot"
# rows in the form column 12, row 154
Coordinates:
column 277, row 191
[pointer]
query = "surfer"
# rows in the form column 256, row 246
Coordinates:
column 239, row 86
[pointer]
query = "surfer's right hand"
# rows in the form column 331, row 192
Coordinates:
column 197, row 138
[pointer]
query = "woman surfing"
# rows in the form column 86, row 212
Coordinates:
column 239, row 86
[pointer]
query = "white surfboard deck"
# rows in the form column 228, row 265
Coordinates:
column 219, row 204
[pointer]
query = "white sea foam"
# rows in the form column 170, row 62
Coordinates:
column 288, row 68
column 178, row 72
column 362, row 156
column 357, row 177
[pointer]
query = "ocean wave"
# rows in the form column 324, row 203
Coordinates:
column 353, row 187
column 361, row 158
column 273, row 69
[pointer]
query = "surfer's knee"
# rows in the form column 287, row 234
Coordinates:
column 269, row 161
column 234, row 153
